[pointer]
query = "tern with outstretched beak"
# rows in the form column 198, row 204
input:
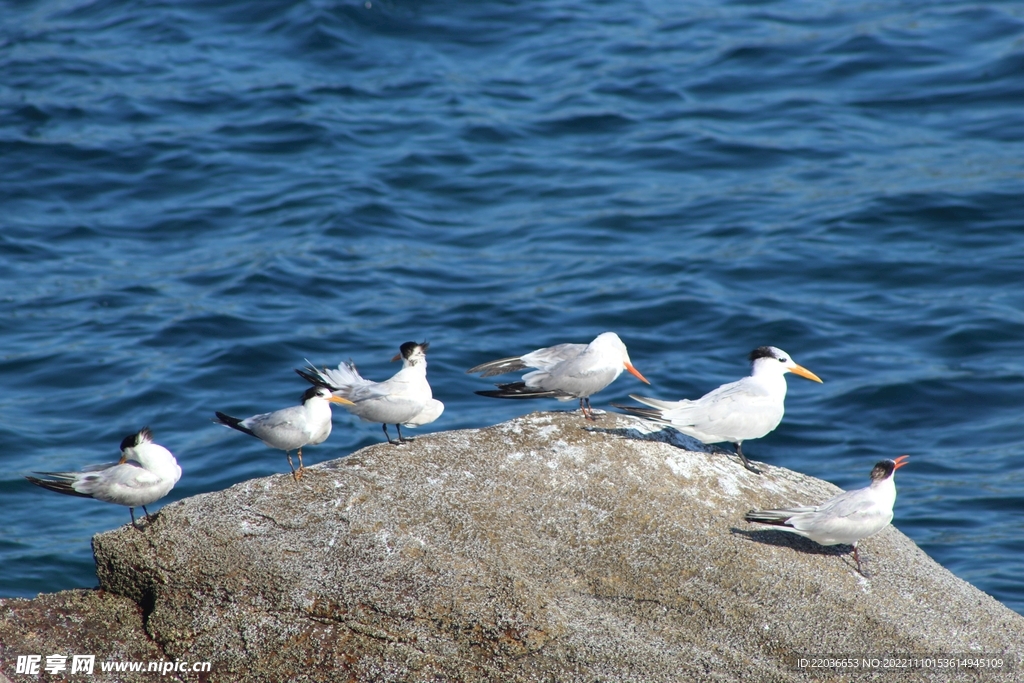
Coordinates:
column 563, row 372
column 735, row 412
column 145, row 473
column 291, row 428
column 845, row 519
column 404, row 399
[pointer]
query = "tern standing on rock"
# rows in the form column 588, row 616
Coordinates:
column 844, row 519
column 404, row 399
column 290, row 428
column 563, row 372
column 746, row 409
column 145, row 473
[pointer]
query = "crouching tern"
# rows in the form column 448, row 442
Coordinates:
column 563, row 372
column 290, row 428
column 746, row 409
column 405, row 399
column 845, row 519
column 145, row 473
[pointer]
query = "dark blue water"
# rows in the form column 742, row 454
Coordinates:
column 195, row 197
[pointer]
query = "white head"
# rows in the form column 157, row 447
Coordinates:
column 771, row 359
column 884, row 470
column 141, row 448
column 609, row 342
column 412, row 354
column 322, row 393
column 132, row 442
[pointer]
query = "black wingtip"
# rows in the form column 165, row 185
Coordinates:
column 233, row 422
column 519, row 390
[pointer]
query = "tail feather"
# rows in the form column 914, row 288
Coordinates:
column 774, row 517
column 520, row 390
column 313, row 376
column 232, row 422
column 647, row 413
column 60, row 484
column 657, row 402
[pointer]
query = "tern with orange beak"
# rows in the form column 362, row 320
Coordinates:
column 563, row 372
column 403, row 400
column 291, row 428
column 845, row 519
column 145, row 473
column 746, row 409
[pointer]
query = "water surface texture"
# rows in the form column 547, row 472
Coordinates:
column 196, row 197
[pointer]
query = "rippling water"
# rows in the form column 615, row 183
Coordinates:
column 198, row 196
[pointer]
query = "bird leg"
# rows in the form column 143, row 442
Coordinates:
column 588, row 413
column 386, row 435
column 856, row 558
column 289, row 455
column 401, row 439
column 298, row 475
column 146, row 511
column 743, row 459
column 131, row 511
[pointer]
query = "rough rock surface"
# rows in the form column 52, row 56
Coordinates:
column 542, row 549
column 79, row 622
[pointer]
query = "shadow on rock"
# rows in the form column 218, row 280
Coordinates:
column 664, row 435
column 788, row 540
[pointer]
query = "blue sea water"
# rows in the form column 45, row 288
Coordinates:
column 197, row 196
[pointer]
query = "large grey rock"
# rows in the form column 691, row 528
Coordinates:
column 79, row 622
column 545, row 548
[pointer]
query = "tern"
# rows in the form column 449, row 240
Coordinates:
column 844, row 519
column 404, row 399
column 290, row 428
column 145, row 473
column 563, row 372
column 746, row 409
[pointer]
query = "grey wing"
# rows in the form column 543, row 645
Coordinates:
column 89, row 468
column 849, row 505
column 388, row 409
column 346, row 382
column 128, row 475
column 285, row 429
column 81, row 483
column 542, row 359
column 498, row 367
column 728, row 409
column 844, row 519
column 548, row 358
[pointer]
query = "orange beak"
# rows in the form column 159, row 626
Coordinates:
column 635, row 372
column 804, row 372
column 339, row 399
column 900, row 461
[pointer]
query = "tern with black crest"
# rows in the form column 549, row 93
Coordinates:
column 845, row 519
column 403, row 400
column 735, row 412
column 145, row 473
column 288, row 429
column 563, row 372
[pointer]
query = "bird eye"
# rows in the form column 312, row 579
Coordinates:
column 783, row 360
